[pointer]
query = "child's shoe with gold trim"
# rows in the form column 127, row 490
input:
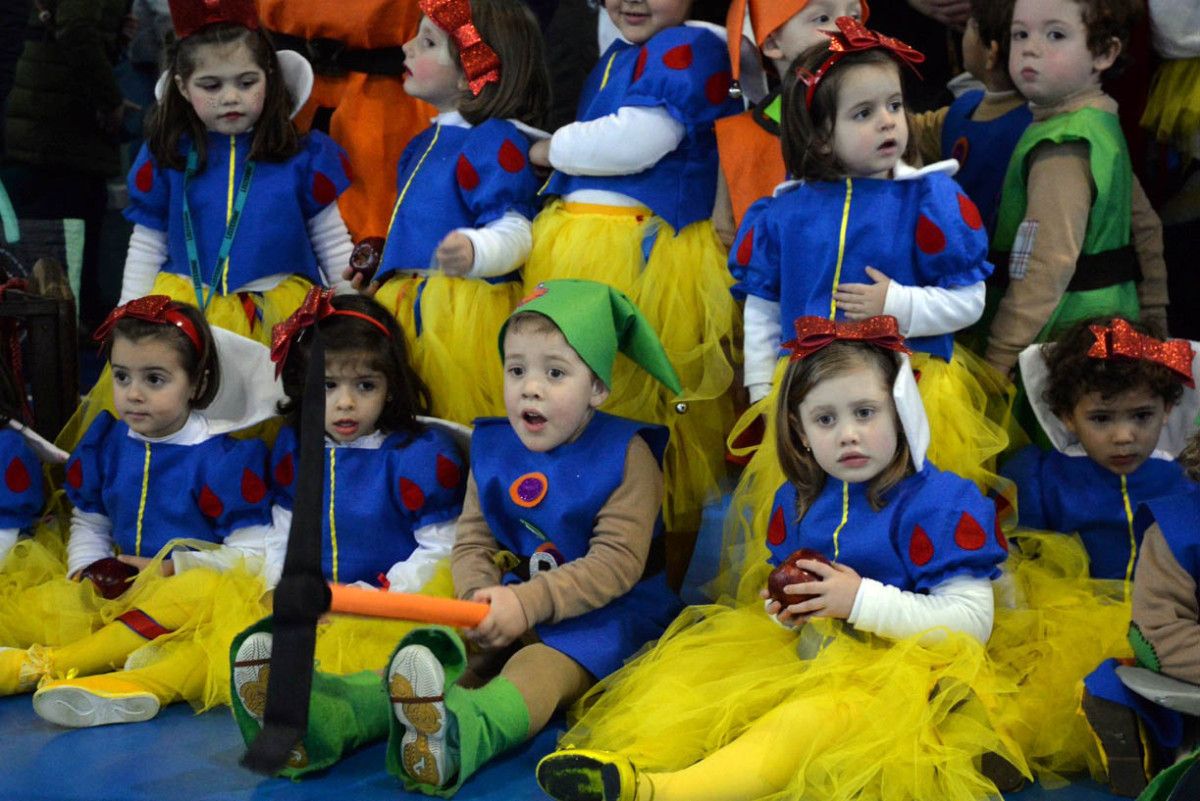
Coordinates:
column 584, row 775
column 416, row 684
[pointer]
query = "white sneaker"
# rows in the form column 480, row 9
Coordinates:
column 417, row 686
column 94, row 701
column 251, row 671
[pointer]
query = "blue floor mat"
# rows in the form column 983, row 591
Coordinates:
column 195, row 757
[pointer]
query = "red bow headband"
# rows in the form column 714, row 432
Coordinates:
column 317, row 305
column 479, row 61
column 853, row 37
column 189, row 16
column 1120, row 341
column 153, row 309
column 814, row 333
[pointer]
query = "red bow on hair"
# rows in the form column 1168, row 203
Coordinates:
column 1120, row 340
column 814, row 333
column 854, row 37
column 479, row 61
column 317, row 305
column 152, row 309
column 189, row 16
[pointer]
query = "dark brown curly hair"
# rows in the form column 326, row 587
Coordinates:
column 1073, row 373
column 1107, row 20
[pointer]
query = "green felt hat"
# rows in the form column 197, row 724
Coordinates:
column 597, row 321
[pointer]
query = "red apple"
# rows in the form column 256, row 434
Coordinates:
column 110, row 575
column 789, row 573
column 365, row 258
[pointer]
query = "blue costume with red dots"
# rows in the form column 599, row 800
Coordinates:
column 21, row 493
column 827, row 710
column 455, row 176
column 555, row 513
column 659, row 248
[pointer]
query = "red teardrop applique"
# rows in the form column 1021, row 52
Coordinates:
column 969, row 212
column 716, row 88
column 640, row 66
column 448, row 473
column 346, row 168
column 678, row 57
column 511, row 158
column 254, row 489
column 323, row 190
column 777, row 530
column 968, row 534
column 930, row 238
column 285, row 471
column 746, row 248
column 144, row 180
column 75, row 474
column 210, row 504
column 920, row 547
column 411, row 495
column 465, row 174
column 16, row 477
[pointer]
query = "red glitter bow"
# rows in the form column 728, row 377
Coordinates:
column 854, row 37
column 317, row 305
column 479, row 61
column 152, row 309
column 1119, row 340
column 814, row 333
column 189, row 16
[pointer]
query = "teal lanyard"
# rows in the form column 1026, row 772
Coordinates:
column 189, row 233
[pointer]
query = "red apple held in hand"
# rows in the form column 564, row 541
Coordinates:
column 788, row 573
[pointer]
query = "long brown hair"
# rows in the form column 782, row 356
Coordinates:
column 201, row 365
column 807, row 134
column 801, row 377
column 275, row 137
column 523, row 91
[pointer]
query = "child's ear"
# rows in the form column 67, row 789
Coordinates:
column 1109, row 57
column 991, row 58
column 180, row 85
column 1068, row 422
column 599, row 393
column 771, row 48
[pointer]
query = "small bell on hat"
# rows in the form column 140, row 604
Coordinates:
column 189, row 16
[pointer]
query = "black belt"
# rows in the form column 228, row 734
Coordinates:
column 331, row 57
column 1092, row 270
column 656, row 561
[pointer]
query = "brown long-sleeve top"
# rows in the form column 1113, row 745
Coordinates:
column 1060, row 192
column 1166, row 608
column 614, row 562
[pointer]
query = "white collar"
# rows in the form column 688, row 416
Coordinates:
column 903, row 172
column 456, row 120
column 297, row 76
column 1178, row 429
column 368, row 442
column 911, row 411
column 194, row 431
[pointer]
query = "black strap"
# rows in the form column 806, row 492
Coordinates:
column 331, row 57
column 302, row 595
column 1092, row 270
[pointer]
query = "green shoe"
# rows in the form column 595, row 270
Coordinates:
column 582, row 775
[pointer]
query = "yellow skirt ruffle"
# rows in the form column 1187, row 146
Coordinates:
column 683, row 290
column 451, row 327
column 1054, row 625
column 825, row 713
column 1173, row 108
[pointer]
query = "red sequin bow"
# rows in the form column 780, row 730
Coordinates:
column 479, row 61
column 152, row 309
column 814, row 333
column 1120, row 340
column 854, row 37
column 317, row 305
column 189, row 16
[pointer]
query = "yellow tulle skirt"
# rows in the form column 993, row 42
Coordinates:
column 250, row 314
column 969, row 409
column 681, row 284
column 1173, row 108
column 451, row 327
column 1054, row 625
column 826, row 713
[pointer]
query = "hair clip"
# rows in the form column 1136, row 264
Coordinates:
column 152, row 309
column 852, row 36
column 479, row 61
column 815, row 333
column 317, row 305
column 1119, row 340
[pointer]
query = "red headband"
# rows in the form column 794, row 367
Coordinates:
column 189, row 16
column 152, row 309
column 814, row 333
column 853, row 37
column 1120, row 341
column 479, row 61
column 316, row 307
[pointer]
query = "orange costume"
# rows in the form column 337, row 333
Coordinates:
column 354, row 46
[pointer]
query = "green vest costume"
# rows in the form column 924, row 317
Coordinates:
column 1106, row 274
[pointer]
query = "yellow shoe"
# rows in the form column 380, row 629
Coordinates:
column 94, row 701
column 582, row 775
column 21, row 669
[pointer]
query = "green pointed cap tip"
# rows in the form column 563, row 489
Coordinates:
column 597, row 321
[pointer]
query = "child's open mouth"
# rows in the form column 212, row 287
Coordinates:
column 533, row 420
